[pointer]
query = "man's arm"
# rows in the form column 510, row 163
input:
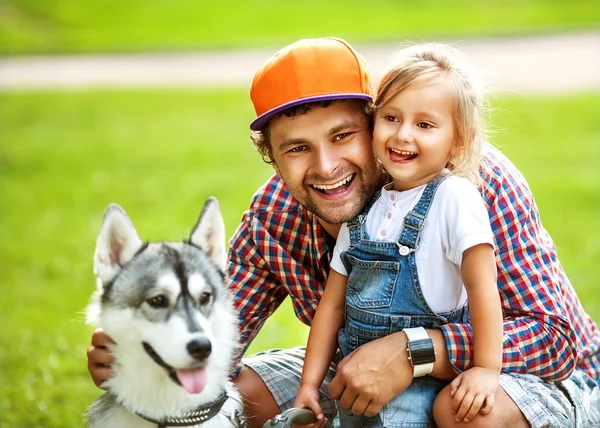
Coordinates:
column 373, row 374
column 256, row 294
column 536, row 324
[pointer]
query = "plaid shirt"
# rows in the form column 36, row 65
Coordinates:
column 280, row 250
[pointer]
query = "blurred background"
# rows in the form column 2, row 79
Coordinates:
column 145, row 103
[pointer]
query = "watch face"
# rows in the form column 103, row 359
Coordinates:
column 421, row 351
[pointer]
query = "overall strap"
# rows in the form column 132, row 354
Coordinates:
column 415, row 219
column 356, row 226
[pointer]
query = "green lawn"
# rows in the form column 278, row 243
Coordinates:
column 64, row 156
column 67, row 26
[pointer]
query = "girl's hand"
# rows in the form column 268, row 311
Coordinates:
column 308, row 397
column 473, row 392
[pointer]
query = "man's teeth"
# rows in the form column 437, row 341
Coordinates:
column 402, row 152
column 334, row 185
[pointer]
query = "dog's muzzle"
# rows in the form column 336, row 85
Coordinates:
column 156, row 358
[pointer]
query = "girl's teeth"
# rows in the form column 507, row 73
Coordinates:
column 403, row 152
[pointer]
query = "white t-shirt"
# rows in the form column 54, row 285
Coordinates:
column 457, row 220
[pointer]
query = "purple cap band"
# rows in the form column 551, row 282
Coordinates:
column 258, row 123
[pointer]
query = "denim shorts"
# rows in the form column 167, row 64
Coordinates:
column 574, row 402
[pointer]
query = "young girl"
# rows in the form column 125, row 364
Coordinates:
column 421, row 247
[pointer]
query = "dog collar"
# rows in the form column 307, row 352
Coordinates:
column 198, row 416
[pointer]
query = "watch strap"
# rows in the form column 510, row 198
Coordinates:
column 420, row 351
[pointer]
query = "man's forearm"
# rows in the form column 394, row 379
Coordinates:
column 442, row 369
column 555, row 339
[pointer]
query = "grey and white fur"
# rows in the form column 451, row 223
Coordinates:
column 166, row 306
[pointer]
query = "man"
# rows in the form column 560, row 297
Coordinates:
column 313, row 124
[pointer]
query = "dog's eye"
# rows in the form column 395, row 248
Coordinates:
column 159, row 301
column 205, row 298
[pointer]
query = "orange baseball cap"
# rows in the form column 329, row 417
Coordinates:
column 305, row 71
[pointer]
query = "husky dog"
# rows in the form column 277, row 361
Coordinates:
column 166, row 306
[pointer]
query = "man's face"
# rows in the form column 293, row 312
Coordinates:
column 326, row 159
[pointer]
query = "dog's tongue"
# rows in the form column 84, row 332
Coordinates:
column 193, row 380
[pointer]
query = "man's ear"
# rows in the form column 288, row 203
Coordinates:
column 276, row 168
column 117, row 243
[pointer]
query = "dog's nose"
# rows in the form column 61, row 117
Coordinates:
column 199, row 348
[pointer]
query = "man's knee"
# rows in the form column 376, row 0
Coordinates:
column 505, row 413
column 259, row 404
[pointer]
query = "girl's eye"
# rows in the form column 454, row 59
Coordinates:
column 159, row 301
column 390, row 118
column 205, row 298
column 424, row 125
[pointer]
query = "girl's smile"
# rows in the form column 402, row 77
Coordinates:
column 414, row 133
column 400, row 156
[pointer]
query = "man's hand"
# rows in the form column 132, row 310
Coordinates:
column 99, row 358
column 372, row 375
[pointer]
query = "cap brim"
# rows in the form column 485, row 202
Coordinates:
column 258, row 123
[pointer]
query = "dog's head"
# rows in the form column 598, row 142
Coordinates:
column 165, row 301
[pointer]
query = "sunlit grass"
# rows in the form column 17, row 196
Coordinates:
column 61, row 26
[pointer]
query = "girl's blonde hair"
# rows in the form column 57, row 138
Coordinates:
column 425, row 63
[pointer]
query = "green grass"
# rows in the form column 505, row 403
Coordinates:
column 70, row 26
column 65, row 156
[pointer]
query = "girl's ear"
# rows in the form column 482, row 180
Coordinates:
column 456, row 150
column 458, row 147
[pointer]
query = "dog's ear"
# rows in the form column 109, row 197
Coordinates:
column 116, row 245
column 209, row 233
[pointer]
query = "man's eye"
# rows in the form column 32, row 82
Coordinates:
column 424, row 125
column 342, row 135
column 297, row 149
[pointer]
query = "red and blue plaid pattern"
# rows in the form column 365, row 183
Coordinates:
column 280, row 250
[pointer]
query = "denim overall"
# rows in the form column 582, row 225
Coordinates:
column 384, row 296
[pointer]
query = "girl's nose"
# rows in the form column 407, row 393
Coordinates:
column 405, row 134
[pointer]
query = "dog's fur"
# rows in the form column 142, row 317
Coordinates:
column 192, row 314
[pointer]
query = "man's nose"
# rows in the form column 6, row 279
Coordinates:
column 327, row 161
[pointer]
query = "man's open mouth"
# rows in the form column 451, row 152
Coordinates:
column 401, row 155
column 335, row 188
column 193, row 380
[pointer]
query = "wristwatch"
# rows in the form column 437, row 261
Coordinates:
column 421, row 352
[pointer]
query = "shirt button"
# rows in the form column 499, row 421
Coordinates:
column 393, row 197
column 389, row 215
column 383, row 232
